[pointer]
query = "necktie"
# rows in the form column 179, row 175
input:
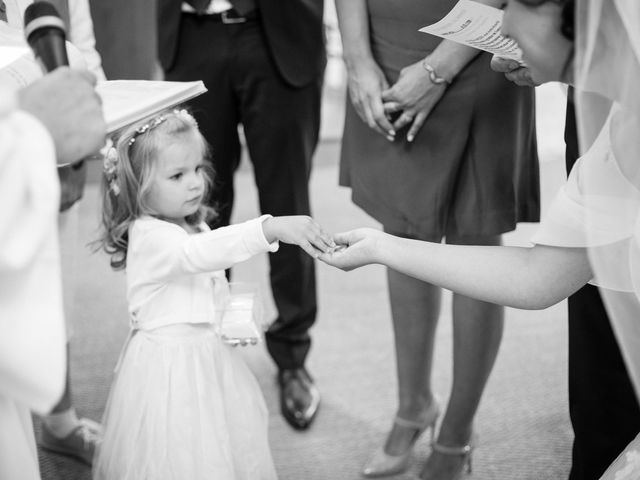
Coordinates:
column 243, row 6
column 200, row 6
column 3, row 11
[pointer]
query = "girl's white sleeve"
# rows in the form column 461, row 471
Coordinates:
column 161, row 250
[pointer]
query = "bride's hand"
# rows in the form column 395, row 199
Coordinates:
column 356, row 248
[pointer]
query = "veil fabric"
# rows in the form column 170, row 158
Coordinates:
column 607, row 80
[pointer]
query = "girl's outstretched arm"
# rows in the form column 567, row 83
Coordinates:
column 521, row 277
column 298, row 230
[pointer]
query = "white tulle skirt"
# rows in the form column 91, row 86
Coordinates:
column 184, row 406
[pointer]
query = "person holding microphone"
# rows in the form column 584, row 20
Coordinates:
column 63, row 430
column 57, row 119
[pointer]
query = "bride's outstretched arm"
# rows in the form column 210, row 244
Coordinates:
column 529, row 278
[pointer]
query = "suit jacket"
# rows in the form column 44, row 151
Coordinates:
column 294, row 31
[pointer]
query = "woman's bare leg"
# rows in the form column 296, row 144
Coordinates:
column 477, row 332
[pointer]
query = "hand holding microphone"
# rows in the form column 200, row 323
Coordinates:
column 68, row 106
column 65, row 100
column 45, row 33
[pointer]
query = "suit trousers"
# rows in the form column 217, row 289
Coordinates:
column 604, row 411
column 281, row 125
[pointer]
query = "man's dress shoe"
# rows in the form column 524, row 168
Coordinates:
column 299, row 397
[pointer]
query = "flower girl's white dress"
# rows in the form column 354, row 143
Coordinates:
column 183, row 404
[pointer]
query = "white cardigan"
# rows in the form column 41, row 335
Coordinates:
column 171, row 273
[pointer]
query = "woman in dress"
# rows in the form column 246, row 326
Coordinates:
column 435, row 146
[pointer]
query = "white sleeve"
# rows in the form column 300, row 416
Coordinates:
column 160, row 250
column 82, row 36
column 32, row 336
column 29, row 190
column 597, row 206
column 564, row 224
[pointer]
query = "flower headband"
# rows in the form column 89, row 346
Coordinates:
column 154, row 122
column 110, row 162
column 109, row 166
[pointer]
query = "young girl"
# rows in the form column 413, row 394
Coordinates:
column 183, row 404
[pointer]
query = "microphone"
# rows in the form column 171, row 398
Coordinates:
column 45, row 34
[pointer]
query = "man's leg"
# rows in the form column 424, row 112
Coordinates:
column 604, row 411
column 281, row 126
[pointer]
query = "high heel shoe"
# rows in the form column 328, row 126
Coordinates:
column 383, row 464
column 465, row 451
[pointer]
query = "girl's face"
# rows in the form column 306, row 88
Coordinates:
column 178, row 184
column 536, row 28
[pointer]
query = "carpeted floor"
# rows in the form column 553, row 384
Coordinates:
column 522, row 424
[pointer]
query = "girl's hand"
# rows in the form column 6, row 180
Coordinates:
column 415, row 95
column 299, row 230
column 366, row 82
column 355, row 248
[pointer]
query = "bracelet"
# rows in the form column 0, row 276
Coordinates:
column 433, row 76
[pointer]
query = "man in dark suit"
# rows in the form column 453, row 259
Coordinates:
column 262, row 62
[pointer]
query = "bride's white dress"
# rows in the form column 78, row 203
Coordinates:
column 599, row 209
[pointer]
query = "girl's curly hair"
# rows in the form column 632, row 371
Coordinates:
column 127, row 182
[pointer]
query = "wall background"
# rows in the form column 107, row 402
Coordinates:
column 125, row 37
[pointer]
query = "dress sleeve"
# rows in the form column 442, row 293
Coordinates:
column 597, row 206
column 598, row 209
column 161, row 250
column 584, row 215
column 564, row 224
